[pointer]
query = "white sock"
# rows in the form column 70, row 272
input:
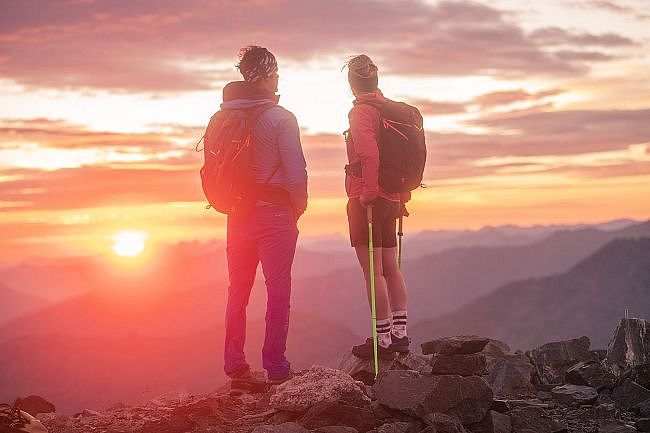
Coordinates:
column 383, row 333
column 399, row 324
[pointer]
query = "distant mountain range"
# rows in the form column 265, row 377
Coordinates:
column 190, row 264
column 83, row 371
column 162, row 328
column 442, row 282
column 15, row 304
column 589, row 299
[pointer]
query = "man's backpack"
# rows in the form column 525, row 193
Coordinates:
column 226, row 176
column 402, row 147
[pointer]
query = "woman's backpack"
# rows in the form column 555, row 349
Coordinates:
column 402, row 147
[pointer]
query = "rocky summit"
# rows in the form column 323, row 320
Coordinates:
column 459, row 384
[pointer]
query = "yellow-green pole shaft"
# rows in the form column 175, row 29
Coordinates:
column 373, row 307
column 400, row 233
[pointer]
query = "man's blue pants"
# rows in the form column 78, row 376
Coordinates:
column 267, row 235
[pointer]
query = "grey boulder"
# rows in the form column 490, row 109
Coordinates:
column 552, row 360
column 316, row 385
column 455, row 345
column 630, row 345
column 590, row 373
column 508, row 373
column 467, row 398
column 463, row 365
column 630, row 394
column 571, row 395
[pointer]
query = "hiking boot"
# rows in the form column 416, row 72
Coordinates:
column 400, row 345
column 280, row 380
column 243, row 381
column 366, row 351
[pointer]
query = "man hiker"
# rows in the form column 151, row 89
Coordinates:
column 364, row 191
column 267, row 233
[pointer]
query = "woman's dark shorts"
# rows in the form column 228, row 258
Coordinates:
column 384, row 217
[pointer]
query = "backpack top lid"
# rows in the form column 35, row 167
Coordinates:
column 396, row 111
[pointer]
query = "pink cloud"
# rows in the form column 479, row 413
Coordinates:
column 144, row 46
column 557, row 36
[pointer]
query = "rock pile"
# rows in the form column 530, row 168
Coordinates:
column 460, row 384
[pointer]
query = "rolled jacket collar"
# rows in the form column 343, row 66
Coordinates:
column 245, row 90
column 372, row 96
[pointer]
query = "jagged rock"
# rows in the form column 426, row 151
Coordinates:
column 382, row 415
column 467, row 398
column 500, row 405
column 533, row 420
column 590, row 373
column 318, row 384
column 282, row 417
column 173, row 398
column 34, row 405
column 517, row 403
column 87, row 413
column 463, row 365
column 544, row 395
column 570, row 395
column 599, row 355
column 362, row 369
column 630, row 394
column 494, row 422
column 552, row 360
column 336, row 429
column 615, row 427
column 405, row 390
column 642, row 408
column 456, row 345
column 442, row 423
column 643, row 425
column 638, row 373
column 508, row 373
column 393, row 427
column 329, row 413
column 412, row 361
column 630, row 345
column 605, row 398
column 288, row 427
column 53, row 420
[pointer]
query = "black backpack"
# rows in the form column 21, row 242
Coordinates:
column 225, row 176
column 402, row 147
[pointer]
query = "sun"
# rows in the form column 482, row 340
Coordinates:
column 129, row 243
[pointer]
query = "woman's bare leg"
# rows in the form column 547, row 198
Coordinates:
column 382, row 303
column 395, row 284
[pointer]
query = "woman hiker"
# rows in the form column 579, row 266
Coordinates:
column 363, row 190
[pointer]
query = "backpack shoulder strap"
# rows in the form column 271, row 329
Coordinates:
column 254, row 113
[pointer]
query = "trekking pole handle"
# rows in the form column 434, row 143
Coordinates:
column 369, row 213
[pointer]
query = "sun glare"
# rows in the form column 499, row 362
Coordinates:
column 129, row 243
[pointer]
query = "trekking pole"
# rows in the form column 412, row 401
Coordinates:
column 400, row 234
column 373, row 307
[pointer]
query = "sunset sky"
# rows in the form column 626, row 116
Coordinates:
column 536, row 112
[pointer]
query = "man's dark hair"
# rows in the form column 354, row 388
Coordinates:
column 256, row 63
column 362, row 74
